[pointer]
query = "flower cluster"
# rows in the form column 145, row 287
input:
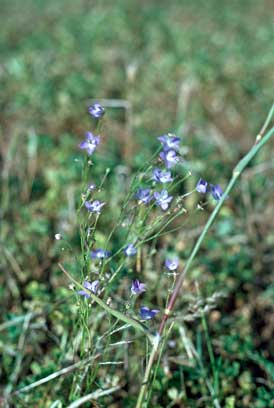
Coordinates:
column 92, row 141
column 170, row 146
column 214, row 189
column 169, row 157
column 89, row 145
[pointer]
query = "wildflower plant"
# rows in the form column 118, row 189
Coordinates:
column 146, row 211
column 60, row 348
column 110, row 269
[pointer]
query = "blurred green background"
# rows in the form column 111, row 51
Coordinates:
column 201, row 69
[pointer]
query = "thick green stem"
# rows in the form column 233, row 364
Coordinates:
column 260, row 142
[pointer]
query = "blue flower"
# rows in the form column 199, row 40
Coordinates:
column 91, row 286
column 201, row 186
column 170, row 142
column 100, row 253
column 143, row 195
column 94, row 206
column 162, row 199
column 96, row 110
column 162, row 176
column 216, row 191
column 130, row 250
column 170, row 158
column 147, row 314
column 137, row 287
column 172, row 264
column 90, row 143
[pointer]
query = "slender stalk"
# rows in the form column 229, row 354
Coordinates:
column 160, row 353
column 211, row 356
column 260, row 142
column 147, row 373
column 266, row 124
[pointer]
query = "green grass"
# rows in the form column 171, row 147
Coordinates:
column 202, row 70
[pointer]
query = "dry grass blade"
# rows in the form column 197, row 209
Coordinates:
column 56, row 374
column 93, row 396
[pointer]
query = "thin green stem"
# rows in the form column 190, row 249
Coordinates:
column 211, row 355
